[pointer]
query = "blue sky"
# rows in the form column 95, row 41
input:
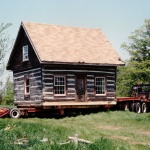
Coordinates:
column 116, row 18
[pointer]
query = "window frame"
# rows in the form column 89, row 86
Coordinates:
column 25, row 54
column 64, row 94
column 104, row 94
column 26, row 86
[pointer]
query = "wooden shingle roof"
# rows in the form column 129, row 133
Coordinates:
column 55, row 43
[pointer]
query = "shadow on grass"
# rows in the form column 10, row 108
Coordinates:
column 67, row 113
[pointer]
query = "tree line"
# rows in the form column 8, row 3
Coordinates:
column 137, row 68
column 6, row 85
column 135, row 71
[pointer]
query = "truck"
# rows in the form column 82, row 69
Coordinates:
column 138, row 102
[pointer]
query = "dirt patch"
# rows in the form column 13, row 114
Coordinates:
column 120, row 137
column 140, row 143
column 127, row 139
column 110, row 127
column 144, row 133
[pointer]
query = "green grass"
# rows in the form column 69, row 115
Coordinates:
column 108, row 130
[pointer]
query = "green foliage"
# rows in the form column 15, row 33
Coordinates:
column 5, row 44
column 133, row 73
column 137, row 69
column 124, row 81
column 7, row 97
column 139, row 46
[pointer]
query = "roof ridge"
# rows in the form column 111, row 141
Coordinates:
column 60, row 25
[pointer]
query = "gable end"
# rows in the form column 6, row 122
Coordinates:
column 16, row 61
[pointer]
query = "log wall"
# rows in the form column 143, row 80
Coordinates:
column 42, row 83
column 35, row 77
column 108, row 72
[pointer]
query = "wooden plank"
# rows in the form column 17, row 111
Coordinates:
column 69, row 103
column 76, row 140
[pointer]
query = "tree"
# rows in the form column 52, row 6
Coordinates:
column 5, row 45
column 7, row 98
column 137, row 69
column 139, row 47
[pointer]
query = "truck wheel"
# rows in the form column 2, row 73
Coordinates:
column 143, row 108
column 15, row 113
column 137, row 107
column 132, row 107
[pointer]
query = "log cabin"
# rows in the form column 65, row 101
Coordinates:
column 63, row 66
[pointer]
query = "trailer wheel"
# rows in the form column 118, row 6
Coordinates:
column 61, row 112
column 15, row 113
column 137, row 107
column 143, row 108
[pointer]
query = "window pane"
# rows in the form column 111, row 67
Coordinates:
column 25, row 50
column 59, row 83
column 100, row 85
column 27, row 86
column 25, row 53
column 27, row 89
column 27, row 82
column 26, row 57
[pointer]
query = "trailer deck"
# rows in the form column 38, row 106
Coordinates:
column 120, row 99
column 4, row 111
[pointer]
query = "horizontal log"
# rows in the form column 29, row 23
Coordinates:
column 23, row 72
column 18, row 77
column 71, row 91
column 59, row 99
column 79, row 71
column 70, row 75
column 37, row 102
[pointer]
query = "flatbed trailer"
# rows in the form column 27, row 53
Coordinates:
column 139, row 102
column 134, row 104
column 59, row 107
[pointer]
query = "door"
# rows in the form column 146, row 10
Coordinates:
column 80, row 88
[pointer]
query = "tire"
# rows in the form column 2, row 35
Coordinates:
column 15, row 113
column 132, row 107
column 143, row 108
column 137, row 107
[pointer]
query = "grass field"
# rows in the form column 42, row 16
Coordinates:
column 108, row 130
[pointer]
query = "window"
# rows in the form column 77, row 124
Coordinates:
column 25, row 53
column 59, row 85
column 100, row 85
column 27, row 86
